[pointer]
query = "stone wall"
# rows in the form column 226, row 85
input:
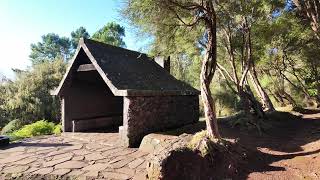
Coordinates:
column 143, row 115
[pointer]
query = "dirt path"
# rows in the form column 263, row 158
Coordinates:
column 290, row 151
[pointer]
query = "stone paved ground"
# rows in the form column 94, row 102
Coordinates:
column 72, row 156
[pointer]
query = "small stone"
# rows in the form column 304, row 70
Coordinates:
column 135, row 163
column 71, row 165
column 91, row 162
column 94, row 157
column 97, row 167
column 15, row 169
column 113, row 175
column 44, row 171
column 60, row 172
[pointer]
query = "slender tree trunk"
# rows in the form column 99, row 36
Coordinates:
column 244, row 101
column 207, row 71
column 265, row 99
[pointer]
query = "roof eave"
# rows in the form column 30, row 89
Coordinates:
column 134, row 92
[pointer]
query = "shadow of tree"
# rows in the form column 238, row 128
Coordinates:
column 29, row 144
column 287, row 136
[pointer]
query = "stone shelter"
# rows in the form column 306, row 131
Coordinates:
column 107, row 86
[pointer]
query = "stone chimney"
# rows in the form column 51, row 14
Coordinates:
column 163, row 62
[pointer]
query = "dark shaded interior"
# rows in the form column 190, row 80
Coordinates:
column 89, row 101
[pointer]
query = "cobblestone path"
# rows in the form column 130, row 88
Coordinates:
column 72, row 156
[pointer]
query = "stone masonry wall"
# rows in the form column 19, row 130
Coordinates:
column 144, row 115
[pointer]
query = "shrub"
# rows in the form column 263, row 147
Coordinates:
column 57, row 129
column 42, row 127
column 11, row 126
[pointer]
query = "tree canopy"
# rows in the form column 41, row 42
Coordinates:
column 112, row 33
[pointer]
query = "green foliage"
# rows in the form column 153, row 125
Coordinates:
column 52, row 46
column 57, row 129
column 112, row 33
column 81, row 32
column 38, row 128
column 28, row 97
column 11, row 126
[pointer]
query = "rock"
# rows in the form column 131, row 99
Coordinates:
column 4, row 141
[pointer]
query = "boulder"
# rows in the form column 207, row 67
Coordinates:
column 4, row 141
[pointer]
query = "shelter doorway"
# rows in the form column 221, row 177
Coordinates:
column 89, row 104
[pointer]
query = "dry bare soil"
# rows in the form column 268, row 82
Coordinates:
column 290, row 149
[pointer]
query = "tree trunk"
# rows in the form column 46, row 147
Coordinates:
column 207, row 71
column 265, row 99
column 244, row 101
column 310, row 9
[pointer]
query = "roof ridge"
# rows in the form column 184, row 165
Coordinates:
column 84, row 40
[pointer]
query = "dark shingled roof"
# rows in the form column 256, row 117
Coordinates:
column 130, row 73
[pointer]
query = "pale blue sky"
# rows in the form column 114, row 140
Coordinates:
column 23, row 22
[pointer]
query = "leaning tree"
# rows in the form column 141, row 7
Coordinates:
column 164, row 18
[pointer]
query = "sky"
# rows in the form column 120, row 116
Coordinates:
column 23, row 22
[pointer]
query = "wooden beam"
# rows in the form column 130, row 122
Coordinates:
column 86, row 67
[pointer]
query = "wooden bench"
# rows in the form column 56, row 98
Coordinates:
column 96, row 123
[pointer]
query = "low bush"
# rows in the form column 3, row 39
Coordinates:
column 11, row 127
column 57, row 129
column 41, row 127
